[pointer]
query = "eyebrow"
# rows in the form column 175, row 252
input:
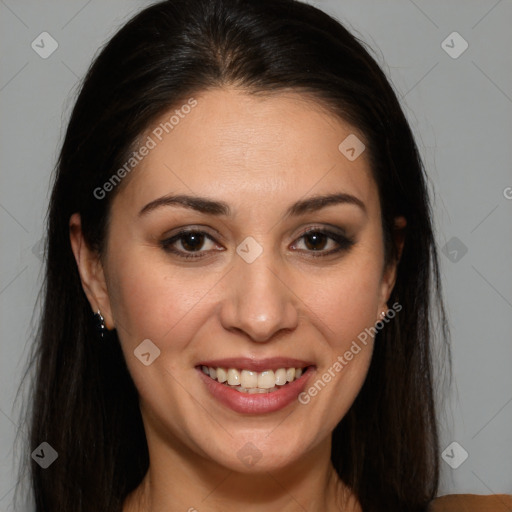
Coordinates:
column 212, row 207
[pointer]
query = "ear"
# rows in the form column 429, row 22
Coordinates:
column 390, row 272
column 91, row 271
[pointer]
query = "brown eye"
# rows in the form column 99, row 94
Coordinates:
column 315, row 240
column 192, row 241
column 187, row 242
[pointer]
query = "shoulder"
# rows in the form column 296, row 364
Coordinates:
column 472, row 503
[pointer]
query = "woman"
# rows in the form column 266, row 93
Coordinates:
column 240, row 207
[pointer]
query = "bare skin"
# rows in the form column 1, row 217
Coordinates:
column 259, row 155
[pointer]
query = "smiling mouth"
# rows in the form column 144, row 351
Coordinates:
column 247, row 381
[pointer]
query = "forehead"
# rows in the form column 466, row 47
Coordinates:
column 261, row 147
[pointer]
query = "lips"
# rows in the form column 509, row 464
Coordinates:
column 245, row 402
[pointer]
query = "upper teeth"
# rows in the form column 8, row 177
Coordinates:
column 248, row 379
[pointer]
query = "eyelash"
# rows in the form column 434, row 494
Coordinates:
column 344, row 242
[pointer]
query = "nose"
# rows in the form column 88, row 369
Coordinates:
column 259, row 301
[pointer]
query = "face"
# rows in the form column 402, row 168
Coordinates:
column 266, row 277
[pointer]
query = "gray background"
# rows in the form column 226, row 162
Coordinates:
column 460, row 110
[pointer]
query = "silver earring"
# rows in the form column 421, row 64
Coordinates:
column 100, row 324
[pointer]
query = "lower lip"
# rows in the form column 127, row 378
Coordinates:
column 258, row 403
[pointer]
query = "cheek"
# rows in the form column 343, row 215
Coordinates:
column 347, row 306
column 348, row 301
column 149, row 300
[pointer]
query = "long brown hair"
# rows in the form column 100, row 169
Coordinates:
column 85, row 404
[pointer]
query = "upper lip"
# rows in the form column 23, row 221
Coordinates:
column 256, row 365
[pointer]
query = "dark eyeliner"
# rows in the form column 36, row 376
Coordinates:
column 167, row 243
column 344, row 242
